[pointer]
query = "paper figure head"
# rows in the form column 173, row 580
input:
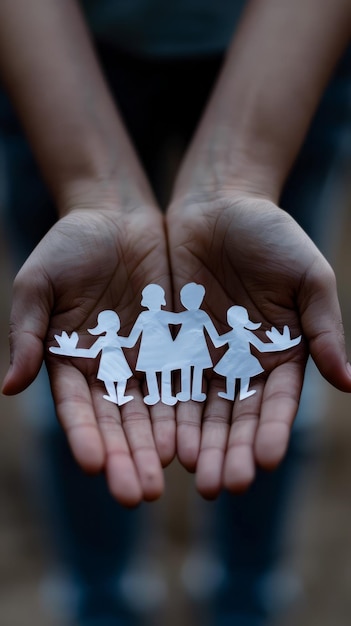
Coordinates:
column 107, row 320
column 238, row 315
column 191, row 296
column 153, row 297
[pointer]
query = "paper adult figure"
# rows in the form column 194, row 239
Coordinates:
column 238, row 363
column 113, row 367
column 190, row 346
column 156, row 346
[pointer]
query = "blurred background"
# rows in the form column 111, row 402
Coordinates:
column 176, row 572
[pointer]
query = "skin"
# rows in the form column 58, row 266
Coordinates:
column 244, row 249
column 95, row 257
column 224, row 230
column 122, row 441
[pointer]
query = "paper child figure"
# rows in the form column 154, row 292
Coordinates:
column 238, row 363
column 113, row 366
column 190, row 346
column 156, row 347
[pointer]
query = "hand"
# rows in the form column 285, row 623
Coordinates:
column 247, row 251
column 89, row 261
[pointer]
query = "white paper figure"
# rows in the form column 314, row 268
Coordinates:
column 238, row 363
column 156, row 346
column 113, row 366
column 190, row 347
column 189, row 353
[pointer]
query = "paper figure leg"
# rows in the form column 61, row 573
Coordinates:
column 166, row 389
column 184, row 394
column 244, row 385
column 230, row 390
column 154, row 395
column 111, row 391
column 196, row 393
column 121, row 387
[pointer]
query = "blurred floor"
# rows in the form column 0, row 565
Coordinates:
column 318, row 546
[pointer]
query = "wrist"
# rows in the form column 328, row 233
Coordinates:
column 212, row 201
column 234, row 153
column 229, row 169
column 120, row 193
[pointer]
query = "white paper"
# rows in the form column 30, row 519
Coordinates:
column 160, row 355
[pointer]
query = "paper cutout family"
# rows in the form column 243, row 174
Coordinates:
column 160, row 354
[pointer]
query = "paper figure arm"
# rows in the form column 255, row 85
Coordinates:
column 216, row 339
column 173, row 318
column 279, row 341
column 222, row 339
column 68, row 346
column 130, row 341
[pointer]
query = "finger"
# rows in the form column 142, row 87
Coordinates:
column 121, row 473
column 279, row 407
column 214, row 436
column 76, row 414
column 138, row 430
column 188, row 436
column 29, row 321
column 164, row 431
column 322, row 326
column 239, row 464
column 26, row 357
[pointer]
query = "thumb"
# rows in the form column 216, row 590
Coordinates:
column 322, row 326
column 29, row 322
